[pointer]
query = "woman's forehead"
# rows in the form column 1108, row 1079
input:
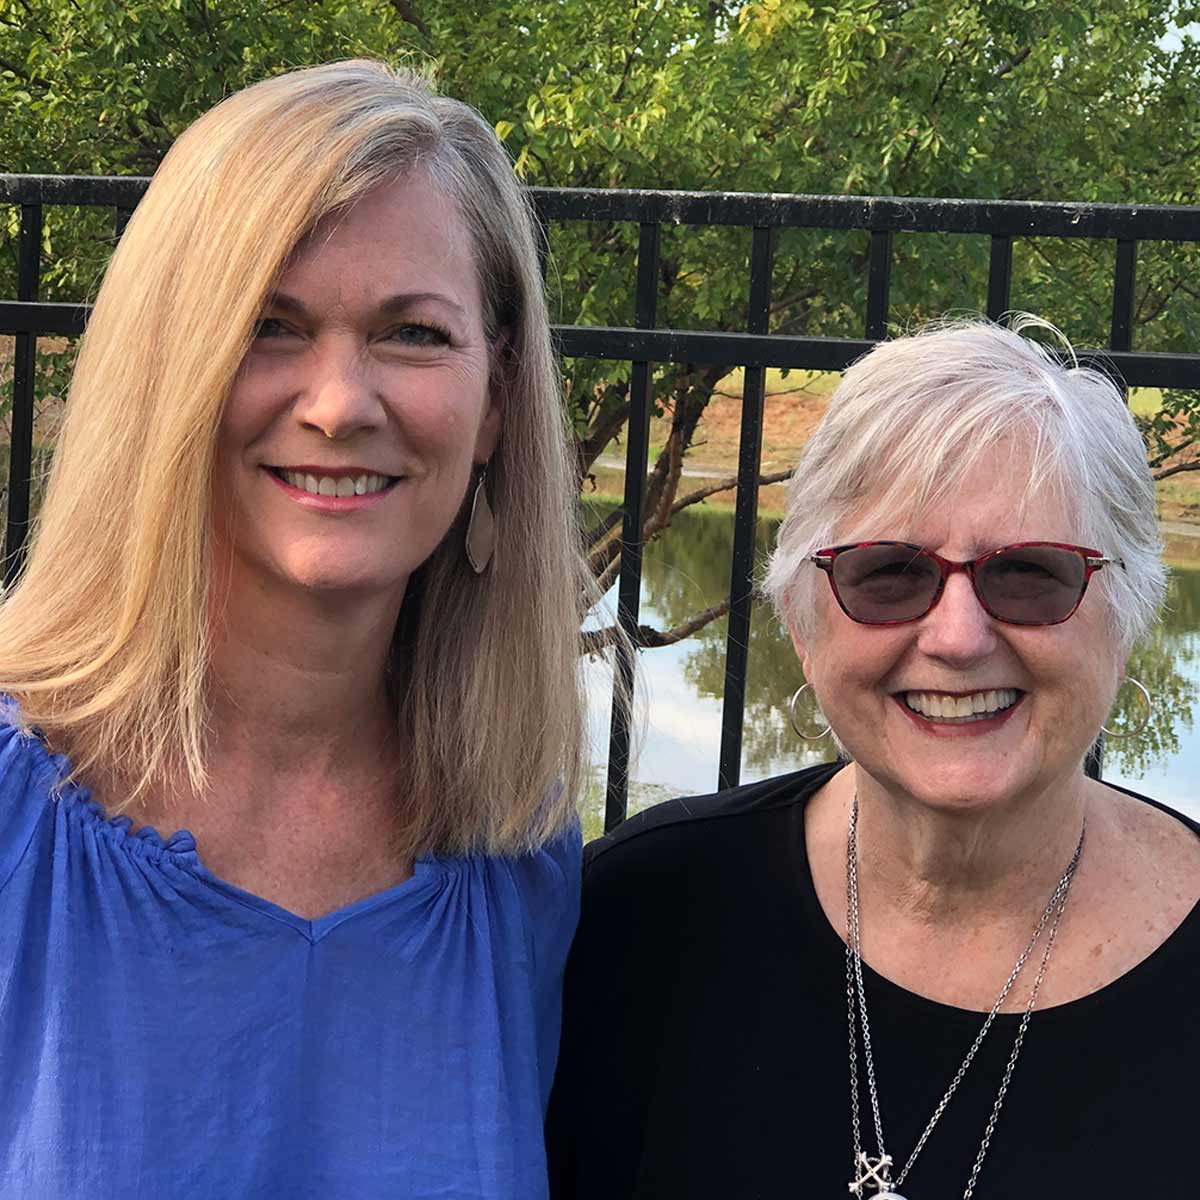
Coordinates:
column 983, row 510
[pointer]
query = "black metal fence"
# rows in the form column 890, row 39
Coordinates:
column 644, row 345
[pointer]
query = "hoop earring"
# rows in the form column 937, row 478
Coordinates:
column 1127, row 733
column 481, row 528
column 791, row 711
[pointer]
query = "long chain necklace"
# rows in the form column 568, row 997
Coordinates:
column 876, row 1172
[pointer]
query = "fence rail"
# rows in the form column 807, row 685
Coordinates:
column 644, row 345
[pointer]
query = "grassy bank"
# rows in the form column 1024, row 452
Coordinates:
column 794, row 403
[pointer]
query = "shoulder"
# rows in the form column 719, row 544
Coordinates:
column 1155, row 811
column 550, row 873
column 540, row 891
column 1137, row 896
column 1166, row 840
column 662, row 849
column 1157, row 843
column 29, row 774
column 664, row 828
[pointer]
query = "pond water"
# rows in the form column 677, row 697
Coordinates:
column 680, row 686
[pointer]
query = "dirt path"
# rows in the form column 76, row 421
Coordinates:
column 1178, row 529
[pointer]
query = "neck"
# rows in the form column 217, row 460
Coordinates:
column 942, row 866
column 299, row 679
column 303, row 802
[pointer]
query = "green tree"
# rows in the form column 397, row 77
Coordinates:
column 1029, row 99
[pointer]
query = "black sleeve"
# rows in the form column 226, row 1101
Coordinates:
column 617, row 995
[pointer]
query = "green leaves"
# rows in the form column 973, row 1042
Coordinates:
column 1008, row 99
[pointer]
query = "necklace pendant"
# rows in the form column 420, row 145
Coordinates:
column 875, row 1173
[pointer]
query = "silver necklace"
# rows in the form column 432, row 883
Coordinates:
column 876, row 1171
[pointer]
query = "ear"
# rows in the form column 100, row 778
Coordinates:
column 800, row 647
column 491, row 421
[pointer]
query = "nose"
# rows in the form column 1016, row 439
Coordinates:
column 339, row 399
column 957, row 629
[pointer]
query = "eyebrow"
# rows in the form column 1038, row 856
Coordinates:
column 400, row 302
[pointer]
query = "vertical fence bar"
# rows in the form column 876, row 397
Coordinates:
column 879, row 284
column 745, row 520
column 999, row 292
column 1124, row 278
column 120, row 220
column 1120, row 338
column 629, row 588
column 20, row 451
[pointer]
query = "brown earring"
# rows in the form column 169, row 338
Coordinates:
column 481, row 528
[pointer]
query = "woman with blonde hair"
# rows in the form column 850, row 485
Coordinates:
column 305, row 596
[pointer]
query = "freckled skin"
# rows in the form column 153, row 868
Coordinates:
column 301, row 806
column 406, row 392
column 1068, row 672
column 963, row 838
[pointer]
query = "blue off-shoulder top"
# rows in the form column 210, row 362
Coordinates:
column 165, row 1034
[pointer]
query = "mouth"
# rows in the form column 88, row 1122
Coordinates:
column 969, row 708
column 337, row 484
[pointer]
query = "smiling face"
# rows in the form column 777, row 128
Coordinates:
column 349, row 437
column 898, row 696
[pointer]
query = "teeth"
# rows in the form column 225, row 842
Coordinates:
column 942, row 707
column 327, row 485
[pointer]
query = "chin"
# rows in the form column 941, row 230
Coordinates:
column 964, row 797
column 967, row 784
column 331, row 577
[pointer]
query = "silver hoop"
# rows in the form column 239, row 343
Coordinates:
column 791, row 711
column 1141, row 687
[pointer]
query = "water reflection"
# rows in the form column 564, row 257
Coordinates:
column 688, row 569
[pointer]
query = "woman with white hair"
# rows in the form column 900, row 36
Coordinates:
column 304, row 597
column 950, row 964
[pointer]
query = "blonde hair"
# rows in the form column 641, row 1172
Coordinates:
column 910, row 420
column 105, row 638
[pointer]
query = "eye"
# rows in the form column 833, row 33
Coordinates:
column 272, row 327
column 418, row 333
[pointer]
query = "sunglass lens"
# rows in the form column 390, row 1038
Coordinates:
column 1032, row 585
column 885, row 582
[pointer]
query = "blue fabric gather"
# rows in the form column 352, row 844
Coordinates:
column 164, row 1033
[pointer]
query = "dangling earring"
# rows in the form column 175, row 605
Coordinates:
column 1125, row 733
column 791, row 711
column 481, row 528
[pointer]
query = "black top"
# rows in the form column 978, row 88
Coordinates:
column 705, row 1053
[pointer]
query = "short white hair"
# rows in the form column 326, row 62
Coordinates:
column 911, row 419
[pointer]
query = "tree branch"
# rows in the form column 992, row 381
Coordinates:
column 599, row 532
column 606, row 577
column 603, row 430
column 724, row 485
column 937, row 95
column 1175, row 470
column 409, row 15
column 646, row 637
column 1007, row 68
column 801, row 297
column 213, row 45
column 635, row 44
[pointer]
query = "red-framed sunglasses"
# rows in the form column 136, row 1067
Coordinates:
column 1027, row 583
